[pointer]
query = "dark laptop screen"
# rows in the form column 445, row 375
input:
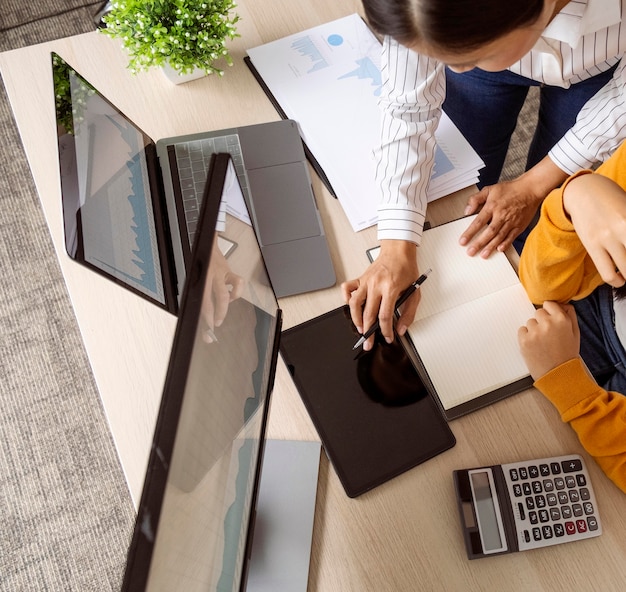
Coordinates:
column 109, row 188
column 193, row 523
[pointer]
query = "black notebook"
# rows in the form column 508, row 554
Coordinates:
column 375, row 416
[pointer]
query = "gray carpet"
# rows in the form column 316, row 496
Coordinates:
column 65, row 511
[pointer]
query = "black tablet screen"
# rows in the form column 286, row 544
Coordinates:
column 373, row 413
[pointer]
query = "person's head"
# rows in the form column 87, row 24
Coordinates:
column 489, row 34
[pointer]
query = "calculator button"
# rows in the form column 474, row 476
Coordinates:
column 544, row 516
column 517, row 490
column 527, row 536
column 544, row 470
column 537, row 533
column 533, row 518
column 559, row 483
column 530, row 503
column 522, row 513
column 537, row 487
column 514, row 475
column 533, row 472
column 592, row 523
column 555, row 514
column 547, row 531
column 581, row 525
column 570, row 482
column 588, row 507
column 580, row 479
column 574, row 496
column 566, row 512
column 555, row 467
column 526, row 488
column 540, row 501
column 563, row 497
column 577, row 509
column 548, row 485
column 572, row 466
column 523, row 473
column 559, row 530
column 552, row 499
column 584, row 494
column 570, row 528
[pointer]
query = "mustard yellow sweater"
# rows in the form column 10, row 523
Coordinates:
column 554, row 265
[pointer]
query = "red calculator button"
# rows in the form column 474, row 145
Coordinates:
column 581, row 525
column 570, row 528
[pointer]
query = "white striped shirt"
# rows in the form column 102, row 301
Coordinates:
column 584, row 39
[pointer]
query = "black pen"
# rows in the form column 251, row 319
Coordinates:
column 403, row 298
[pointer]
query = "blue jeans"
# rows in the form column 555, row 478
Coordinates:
column 485, row 106
column 600, row 346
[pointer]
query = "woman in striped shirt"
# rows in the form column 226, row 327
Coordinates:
column 476, row 59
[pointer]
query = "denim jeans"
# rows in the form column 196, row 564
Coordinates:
column 485, row 106
column 600, row 346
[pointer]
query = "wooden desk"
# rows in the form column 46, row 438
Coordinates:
column 402, row 536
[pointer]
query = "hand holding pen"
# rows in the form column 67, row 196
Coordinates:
column 403, row 298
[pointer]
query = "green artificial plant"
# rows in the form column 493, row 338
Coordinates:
column 184, row 34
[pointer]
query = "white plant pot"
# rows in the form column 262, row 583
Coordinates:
column 177, row 78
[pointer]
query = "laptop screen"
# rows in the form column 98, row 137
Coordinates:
column 109, row 188
column 193, row 523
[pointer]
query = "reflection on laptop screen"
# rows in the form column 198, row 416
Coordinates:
column 108, row 206
column 193, row 523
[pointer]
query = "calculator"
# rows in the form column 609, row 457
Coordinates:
column 526, row 505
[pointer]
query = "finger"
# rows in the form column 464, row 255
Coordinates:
column 501, row 240
column 347, row 288
column 571, row 313
column 479, row 224
column 237, row 283
column 475, row 201
column 552, row 308
column 356, row 300
column 386, row 315
column 221, row 297
column 407, row 313
column 609, row 265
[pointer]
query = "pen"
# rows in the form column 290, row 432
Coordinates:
column 403, row 298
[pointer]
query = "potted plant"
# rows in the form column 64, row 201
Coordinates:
column 185, row 37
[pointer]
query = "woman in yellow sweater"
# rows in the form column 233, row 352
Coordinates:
column 576, row 352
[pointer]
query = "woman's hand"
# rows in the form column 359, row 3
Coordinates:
column 508, row 208
column 375, row 293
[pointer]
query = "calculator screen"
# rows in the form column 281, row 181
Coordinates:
column 487, row 514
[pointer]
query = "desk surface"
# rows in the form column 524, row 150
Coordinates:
column 403, row 535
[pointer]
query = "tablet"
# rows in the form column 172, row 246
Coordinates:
column 374, row 415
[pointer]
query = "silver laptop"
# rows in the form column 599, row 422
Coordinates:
column 131, row 205
column 222, row 509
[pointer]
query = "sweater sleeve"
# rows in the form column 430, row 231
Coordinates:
column 597, row 416
column 554, row 264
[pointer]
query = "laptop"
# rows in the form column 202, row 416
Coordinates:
column 131, row 205
column 222, row 509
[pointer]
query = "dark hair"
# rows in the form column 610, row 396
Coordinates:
column 456, row 25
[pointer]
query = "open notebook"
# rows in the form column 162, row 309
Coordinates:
column 465, row 332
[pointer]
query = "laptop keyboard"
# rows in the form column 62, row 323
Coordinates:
column 192, row 159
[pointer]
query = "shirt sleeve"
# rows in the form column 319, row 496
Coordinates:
column 597, row 416
column 412, row 95
column 599, row 129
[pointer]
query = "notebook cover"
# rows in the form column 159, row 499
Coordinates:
column 374, row 415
